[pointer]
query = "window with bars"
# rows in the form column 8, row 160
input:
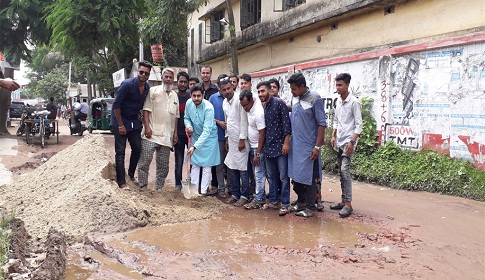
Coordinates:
column 288, row 4
column 250, row 12
column 216, row 28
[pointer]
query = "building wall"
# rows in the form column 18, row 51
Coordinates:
column 356, row 32
column 424, row 99
column 423, row 65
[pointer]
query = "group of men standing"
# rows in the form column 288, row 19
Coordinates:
column 239, row 138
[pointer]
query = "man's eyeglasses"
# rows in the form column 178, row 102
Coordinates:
column 144, row 73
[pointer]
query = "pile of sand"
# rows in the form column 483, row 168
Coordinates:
column 75, row 192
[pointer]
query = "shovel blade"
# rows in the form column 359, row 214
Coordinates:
column 190, row 190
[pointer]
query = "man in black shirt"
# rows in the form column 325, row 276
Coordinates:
column 207, row 85
column 183, row 95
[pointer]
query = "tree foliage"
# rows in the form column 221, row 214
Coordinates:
column 21, row 25
column 83, row 27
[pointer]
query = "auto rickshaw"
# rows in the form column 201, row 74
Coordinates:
column 99, row 114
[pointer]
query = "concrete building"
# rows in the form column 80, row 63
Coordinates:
column 422, row 61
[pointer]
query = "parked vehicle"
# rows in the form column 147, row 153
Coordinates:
column 99, row 114
column 26, row 115
column 16, row 109
column 39, row 125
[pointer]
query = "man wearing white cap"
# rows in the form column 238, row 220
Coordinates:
column 159, row 134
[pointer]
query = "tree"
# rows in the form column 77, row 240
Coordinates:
column 54, row 84
column 232, row 38
column 95, row 32
column 21, row 25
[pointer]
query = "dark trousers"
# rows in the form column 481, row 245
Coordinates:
column 179, row 150
column 134, row 138
column 306, row 194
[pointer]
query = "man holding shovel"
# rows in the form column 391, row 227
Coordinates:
column 202, row 131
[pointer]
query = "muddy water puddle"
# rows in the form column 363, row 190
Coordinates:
column 233, row 228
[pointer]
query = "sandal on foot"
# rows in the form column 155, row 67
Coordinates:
column 298, row 207
column 124, row 187
column 345, row 212
column 222, row 194
column 240, row 202
column 319, row 206
column 270, row 206
column 283, row 211
column 337, row 206
column 143, row 188
column 230, row 200
column 305, row 213
column 252, row 205
column 210, row 192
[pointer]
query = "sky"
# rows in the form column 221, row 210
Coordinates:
column 19, row 75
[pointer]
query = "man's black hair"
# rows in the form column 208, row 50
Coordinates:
column 246, row 93
column 197, row 87
column 297, row 79
column 275, row 81
column 246, row 77
column 193, row 78
column 183, row 73
column 206, row 66
column 234, row 76
column 345, row 77
column 145, row 63
column 264, row 83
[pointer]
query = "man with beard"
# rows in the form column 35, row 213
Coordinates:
column 276, row 146
column 179, row 147
column 308, row 123
column 208, row 87
column 237, row 144
column 204, row 149
column 235, row 82
column 160, row 114
column 125, row 123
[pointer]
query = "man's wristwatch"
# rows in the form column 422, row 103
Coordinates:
column 257, row 154
column 352, row 141
column 318, row 148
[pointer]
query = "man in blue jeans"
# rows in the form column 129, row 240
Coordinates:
column 126, row 123
column 347, row 127
column 237, row 144
column 276, row 146
column 256, row 135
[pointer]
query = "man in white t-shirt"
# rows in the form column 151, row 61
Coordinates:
column 256, row 135
column 159, row 134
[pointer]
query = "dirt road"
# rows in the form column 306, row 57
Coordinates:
column 414, row 235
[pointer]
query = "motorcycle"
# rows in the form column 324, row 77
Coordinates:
column 80, row 123
column 26, row 115
column 78, row 127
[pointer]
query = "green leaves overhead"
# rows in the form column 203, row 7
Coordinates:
column 82, row 27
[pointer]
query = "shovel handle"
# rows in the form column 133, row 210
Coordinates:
column 188, row 156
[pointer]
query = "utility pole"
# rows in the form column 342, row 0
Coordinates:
column 233, row 43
